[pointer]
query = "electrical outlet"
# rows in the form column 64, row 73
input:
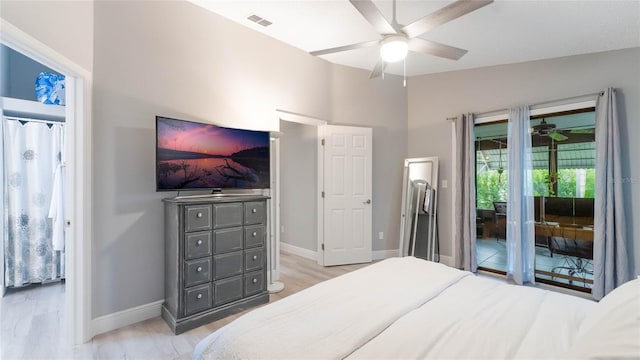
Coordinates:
column 381, row 235
column 282, row 229
column 444, row 184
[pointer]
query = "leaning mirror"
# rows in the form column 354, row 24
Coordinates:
column 418, row 226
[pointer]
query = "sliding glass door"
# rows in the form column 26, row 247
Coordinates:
column 563, row 154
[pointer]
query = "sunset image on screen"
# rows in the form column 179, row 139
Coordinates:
column 193, row 155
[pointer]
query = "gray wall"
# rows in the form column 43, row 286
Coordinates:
column 21, row 73
column 177, row 60
column 381, row 105
column 65, row 26
column 299, row 185
column 433, row 98
column 4, row 70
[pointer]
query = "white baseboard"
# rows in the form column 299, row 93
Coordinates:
column 126, row 317
column 310, row 254
column 296, row 250
column 384, row 254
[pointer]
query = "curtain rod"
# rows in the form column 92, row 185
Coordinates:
column 15, row 118
column 485, row 113
column 600, row 93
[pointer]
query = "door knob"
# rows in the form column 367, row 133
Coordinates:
column 367, row 202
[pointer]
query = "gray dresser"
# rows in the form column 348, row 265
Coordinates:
column 215, row 258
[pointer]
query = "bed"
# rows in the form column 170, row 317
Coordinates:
column 405, row 308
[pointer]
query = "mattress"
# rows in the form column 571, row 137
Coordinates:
column 406, row 308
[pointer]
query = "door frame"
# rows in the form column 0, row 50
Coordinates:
column 78, row 200
column 318, row 123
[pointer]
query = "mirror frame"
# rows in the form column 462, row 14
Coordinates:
column 405, row 222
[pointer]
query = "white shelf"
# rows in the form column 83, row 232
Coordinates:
column 32, row 109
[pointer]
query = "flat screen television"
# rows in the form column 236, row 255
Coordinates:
column 198, row 156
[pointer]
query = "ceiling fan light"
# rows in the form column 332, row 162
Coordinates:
column 394, row 48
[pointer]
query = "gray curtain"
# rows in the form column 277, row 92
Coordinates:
column 610, row 255
column 32, row 154
column 465, row 199
column 521, row 250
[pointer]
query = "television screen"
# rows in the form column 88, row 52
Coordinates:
column 197, row 156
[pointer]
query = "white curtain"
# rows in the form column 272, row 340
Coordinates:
column 610, row 254
column 465, row 193
column 32, row 156
column 520, row 218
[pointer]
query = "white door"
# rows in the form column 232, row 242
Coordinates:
column 347, row 198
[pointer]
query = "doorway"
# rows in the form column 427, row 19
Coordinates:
column 306, row 126
column 77, row 222
column 298, row 181
column 351, row 242
column 33, row 167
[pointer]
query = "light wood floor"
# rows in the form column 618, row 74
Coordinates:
column 31, row 322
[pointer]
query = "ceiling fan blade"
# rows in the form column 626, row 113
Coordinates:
column 444, row 15
column 433, row 48
column 345, row 48
column 370, row 12
column 557, row 136
column 378, row 69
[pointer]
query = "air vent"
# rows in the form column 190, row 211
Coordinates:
column 258, row 20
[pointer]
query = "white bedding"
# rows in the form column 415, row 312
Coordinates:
column 405, row 308
column 483, row 319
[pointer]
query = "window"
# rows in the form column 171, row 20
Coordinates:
column 563, row 154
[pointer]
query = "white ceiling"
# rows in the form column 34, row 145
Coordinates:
column 504, row 32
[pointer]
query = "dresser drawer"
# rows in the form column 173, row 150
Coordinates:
column 253, row 259
column 228, row 290
column 197, row 245
column 254, row 283
column 226, row 215
column 227, row 240
column 197, row 299
column 227, row 265
column 255, row 212
column 197, row 217
column 197, row 271
column 254, row 236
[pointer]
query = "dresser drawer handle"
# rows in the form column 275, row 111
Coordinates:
column 254, row 210
column 254, row 280
column 199, row 242
column 199, row 215
column 255, row 257
column 254, row 234
column 199, row 296
column 199, row 269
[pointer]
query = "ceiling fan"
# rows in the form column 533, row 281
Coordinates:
column 398, row 39
column 546, row 129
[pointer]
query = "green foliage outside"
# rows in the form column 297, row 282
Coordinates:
column 567, row 183
column 490, row 186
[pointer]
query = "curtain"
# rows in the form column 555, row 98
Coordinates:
column 32, row 154
column 520, row 220
column 610, row 255
column 465, row 193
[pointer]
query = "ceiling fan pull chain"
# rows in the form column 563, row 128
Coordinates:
column 404, row 72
